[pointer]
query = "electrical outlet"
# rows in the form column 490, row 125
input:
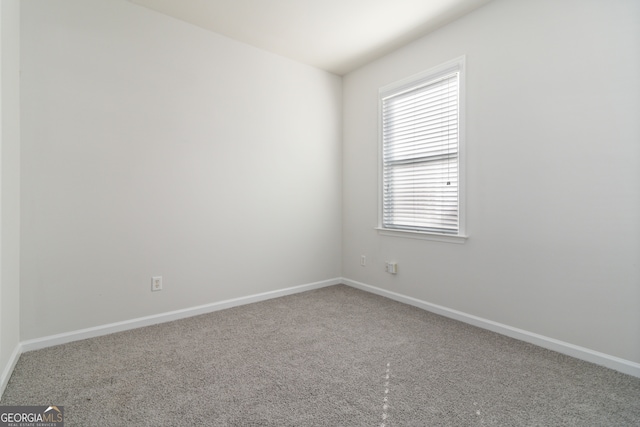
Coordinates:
column 156, row 283
column 363, row 260
column 391, row 267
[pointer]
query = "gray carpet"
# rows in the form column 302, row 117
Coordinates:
column 331, row 357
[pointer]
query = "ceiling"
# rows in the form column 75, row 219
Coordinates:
column 335, row 35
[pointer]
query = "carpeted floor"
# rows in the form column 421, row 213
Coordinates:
column 335, row 356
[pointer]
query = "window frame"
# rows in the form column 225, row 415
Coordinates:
column 455, row 65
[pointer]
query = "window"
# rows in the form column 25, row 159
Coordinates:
column 422, row 147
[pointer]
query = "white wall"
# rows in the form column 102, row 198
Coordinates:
column 10, row 186
column 553, row 101
column 153, row 147
column 142, row 138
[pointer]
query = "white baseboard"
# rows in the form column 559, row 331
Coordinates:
column 582, row 353
column 8, row 369
column 97, row 331
column 612, row 362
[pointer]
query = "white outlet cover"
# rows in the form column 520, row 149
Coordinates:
column 156, row 283
column 391, row 267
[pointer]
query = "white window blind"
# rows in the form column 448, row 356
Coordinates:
column 420, row 161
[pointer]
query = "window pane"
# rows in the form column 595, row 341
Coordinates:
column 420, row 156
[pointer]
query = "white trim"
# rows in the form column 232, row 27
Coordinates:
column 446, row 238
column 38, row 343
column 430, row 74
column 462, row 147
column 582, row 353
column 10, row 366
column 458, row 64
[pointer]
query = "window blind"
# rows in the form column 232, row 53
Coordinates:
column 420, row 156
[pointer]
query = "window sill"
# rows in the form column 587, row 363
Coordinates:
column 446, row 238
